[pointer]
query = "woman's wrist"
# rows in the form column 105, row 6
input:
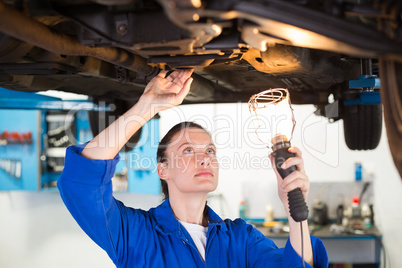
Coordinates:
column 146, row 107
column 154, row 105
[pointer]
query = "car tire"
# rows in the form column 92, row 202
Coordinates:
column 99, row 120
column 391, row 94
column 362, row 126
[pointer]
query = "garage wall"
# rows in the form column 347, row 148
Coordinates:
column 36, row 230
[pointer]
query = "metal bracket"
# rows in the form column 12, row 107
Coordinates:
column 365, row 98
column 370, row 81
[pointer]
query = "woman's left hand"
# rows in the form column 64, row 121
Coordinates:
column 297, row 179
column 163, row 92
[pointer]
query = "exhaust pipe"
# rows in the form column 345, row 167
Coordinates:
column 26, row 29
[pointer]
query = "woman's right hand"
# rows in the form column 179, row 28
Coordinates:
column 163, row 93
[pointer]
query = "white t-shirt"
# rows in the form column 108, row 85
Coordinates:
column 199, row 235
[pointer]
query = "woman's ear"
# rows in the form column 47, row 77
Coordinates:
column 161, row 169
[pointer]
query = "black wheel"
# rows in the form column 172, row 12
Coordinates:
column 391, row 94
column 362, row 126
column 101, row 120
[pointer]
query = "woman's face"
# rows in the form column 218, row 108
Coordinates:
column 192, row 166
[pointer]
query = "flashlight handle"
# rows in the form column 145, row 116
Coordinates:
column 297, row 206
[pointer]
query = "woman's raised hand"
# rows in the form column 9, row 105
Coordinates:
column 163, row 92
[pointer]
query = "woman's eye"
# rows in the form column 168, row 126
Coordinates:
column 210, row 151
column 188, row 150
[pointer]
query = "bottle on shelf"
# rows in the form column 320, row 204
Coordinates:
column 242, row 210
column 269, row 214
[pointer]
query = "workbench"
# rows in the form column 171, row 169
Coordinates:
column 341, row 248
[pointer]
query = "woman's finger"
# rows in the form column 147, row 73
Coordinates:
column 162, row 73
column 297, row 161
column 179, row 78
column 302, row 185
column 177, row 81
column 295, row 175
column 184, row 91
column 294, row 161
column 183, row 76
column 296, row 151
column 188, row 73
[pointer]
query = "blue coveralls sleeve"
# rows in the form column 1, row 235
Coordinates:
column 86, row 189
column 262, row 251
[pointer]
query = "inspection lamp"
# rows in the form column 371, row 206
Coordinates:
column 274, row 121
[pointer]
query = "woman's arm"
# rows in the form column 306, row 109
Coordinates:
column 86, row 182
column 297, row 179
column 160, row 94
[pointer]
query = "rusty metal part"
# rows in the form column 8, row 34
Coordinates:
column 12, row 49
column 184, row 13
column 284, row 60
column 22, row 27
column 282, row 22
column 276, row 60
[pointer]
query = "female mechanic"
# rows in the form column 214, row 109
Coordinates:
column 182, row 231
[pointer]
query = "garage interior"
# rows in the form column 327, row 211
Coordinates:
column 68, row 69
column 35, row 223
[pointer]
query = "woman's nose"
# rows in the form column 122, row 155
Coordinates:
column 204, row 159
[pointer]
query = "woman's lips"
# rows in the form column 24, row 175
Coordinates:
column 204, row 173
